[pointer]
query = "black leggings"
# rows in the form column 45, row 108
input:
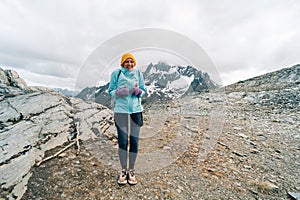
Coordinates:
column 125, row 123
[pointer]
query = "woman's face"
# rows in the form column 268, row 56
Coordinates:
column 128, row 63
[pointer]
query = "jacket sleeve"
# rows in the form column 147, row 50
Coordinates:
column 142, row 84
column 113, row 84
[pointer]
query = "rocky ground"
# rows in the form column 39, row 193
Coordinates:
column 254, row 156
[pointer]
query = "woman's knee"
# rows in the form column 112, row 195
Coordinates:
column 123, row 145
column 134, row 144
column 122, row 139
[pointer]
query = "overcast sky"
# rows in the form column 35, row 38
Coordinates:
column 47, row 41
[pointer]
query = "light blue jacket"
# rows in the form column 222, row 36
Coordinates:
column 130, row 104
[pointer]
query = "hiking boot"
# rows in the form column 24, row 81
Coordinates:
column 131, row 177
column 123, row 177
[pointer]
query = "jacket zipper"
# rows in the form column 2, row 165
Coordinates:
column 130, row 104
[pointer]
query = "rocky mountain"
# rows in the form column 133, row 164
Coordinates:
column 96, row 94
column 163, row 82
column 237, row 142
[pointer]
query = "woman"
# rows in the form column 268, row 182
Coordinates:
column 127, row 88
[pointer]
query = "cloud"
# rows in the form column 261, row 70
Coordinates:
column 53, row 38
column 248, row 34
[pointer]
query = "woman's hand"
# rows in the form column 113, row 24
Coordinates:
column 123, row 92
column 136, row 91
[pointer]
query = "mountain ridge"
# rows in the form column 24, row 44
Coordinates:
column 281, row 78
column 163, row 82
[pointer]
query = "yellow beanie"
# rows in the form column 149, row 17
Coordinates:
column 127, row 55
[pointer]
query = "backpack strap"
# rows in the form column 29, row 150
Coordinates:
column 139, row 74
column 119, row 75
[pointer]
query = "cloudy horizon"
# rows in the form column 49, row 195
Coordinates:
column 47, row 42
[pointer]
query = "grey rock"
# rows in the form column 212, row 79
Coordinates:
column 11, row 78
column 36, row 119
